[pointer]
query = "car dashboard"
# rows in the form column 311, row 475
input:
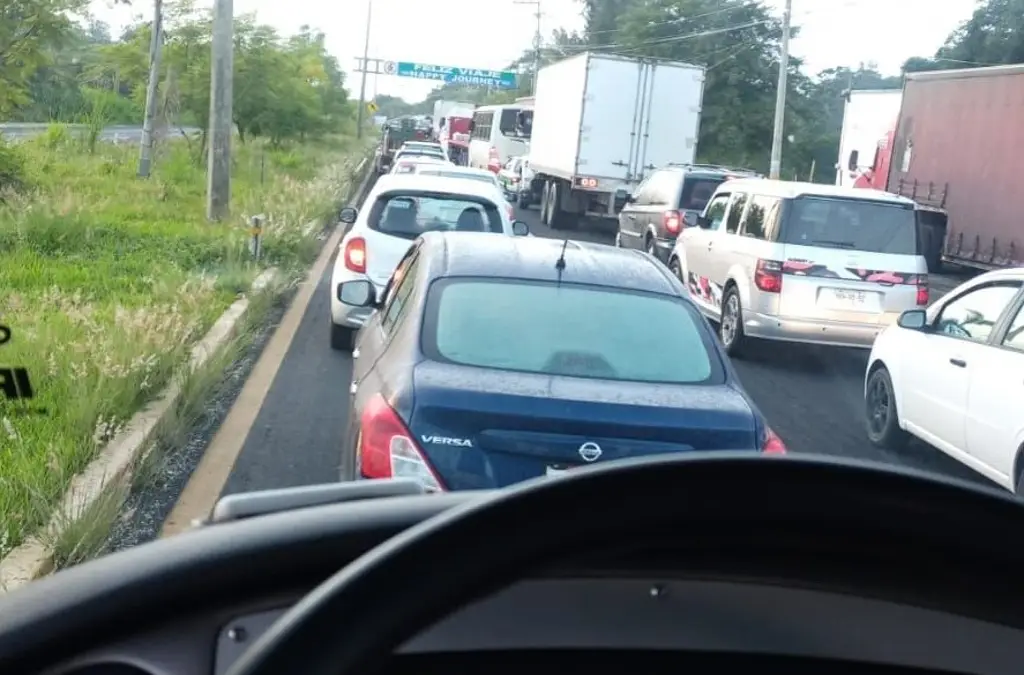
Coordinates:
column 652, row 606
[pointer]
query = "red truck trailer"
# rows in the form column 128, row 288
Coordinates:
column 957, row 149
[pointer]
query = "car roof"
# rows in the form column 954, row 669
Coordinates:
column 419, row 183
column 790, row 189
column 479, row 254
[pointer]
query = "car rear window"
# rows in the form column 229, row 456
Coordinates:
column 697, row 192
column 568, row 330
column 465, row 175
column 410, row 214
column 421, row 152
column 854, row 224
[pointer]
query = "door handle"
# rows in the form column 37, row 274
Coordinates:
column 631, row 216
column 959, row 363
column 710, row 245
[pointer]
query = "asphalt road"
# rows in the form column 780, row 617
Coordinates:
column 811, row 397
column 122, row 133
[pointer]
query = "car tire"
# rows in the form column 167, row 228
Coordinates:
column 730, row 323
column 880, row 415
column 342, row 338
column 348, row 469
column 523, row 201
column 677, row 270
column 649, row 246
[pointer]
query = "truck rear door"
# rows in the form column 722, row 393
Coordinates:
column 611, row 118
column 672, row 111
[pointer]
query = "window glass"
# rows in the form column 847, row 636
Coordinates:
column 715, row 212
column 568, row 330
column 974, row 315
column 408, row 215
column 854, row 224
column 739, row 200
column 696, row 193
column 762, row 214
column 402, row 284
column 1015, row 334
column 664, row 187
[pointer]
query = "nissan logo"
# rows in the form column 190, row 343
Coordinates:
column 590, row 452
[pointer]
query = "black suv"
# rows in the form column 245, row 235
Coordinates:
column 668, row 200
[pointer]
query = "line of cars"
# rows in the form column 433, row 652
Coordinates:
column 834, row 266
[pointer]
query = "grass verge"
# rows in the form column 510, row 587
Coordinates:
column 109, row 280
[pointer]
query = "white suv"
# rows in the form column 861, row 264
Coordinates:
column 396, row 212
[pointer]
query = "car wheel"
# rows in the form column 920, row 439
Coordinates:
column 349, row 469
column 523, row 201
column 730, row 326
column 882, row 418
column 649, row 246
column 342, row 337
column 677, row 270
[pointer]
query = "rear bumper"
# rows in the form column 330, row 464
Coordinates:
column 828, row 333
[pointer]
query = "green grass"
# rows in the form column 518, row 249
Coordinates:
column 107, row 281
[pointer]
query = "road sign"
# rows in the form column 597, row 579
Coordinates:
column 372, row 107
column 389, row 67
column 501, row 79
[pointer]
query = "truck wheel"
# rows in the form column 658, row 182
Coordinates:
column 560, row 220
column 545, row 204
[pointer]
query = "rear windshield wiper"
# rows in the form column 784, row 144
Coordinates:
column 834, row 244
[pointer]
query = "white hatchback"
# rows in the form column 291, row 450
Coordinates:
column 398, row 209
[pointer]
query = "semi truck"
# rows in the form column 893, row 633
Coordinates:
column 955, row 149
column 867, row 115
column 601, row 123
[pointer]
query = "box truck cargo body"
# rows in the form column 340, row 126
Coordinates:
column 601, row 123
column 959, row 146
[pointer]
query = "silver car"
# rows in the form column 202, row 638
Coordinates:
column 801, row 262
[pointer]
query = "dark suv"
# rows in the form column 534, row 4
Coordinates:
column 668, row 200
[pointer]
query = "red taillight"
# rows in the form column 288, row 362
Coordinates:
column 387, row 449
column 355, row 255
column 672, row 221
column 493, row 160
column 768, row 276
column 773, row 445
column 922, row 291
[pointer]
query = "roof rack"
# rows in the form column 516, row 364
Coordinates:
column 714, row 167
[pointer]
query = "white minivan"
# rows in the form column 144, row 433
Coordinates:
column 801, row 262
column 497, row 133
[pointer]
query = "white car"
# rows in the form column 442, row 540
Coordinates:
column 398, row 209
column 516, row 179
column 953, row 376
column 464, row 172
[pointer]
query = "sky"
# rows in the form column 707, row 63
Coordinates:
column 489, row 34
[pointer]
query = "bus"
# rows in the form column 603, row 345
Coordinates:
column 499, row 132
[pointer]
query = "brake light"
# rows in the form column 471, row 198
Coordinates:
column 768, row 276
column 773, row 445
column 493, row 160
column 387, row 449
column 922, row 291
column 672, row 221
column 355, row 255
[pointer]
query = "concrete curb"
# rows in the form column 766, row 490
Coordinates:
column 33, row 559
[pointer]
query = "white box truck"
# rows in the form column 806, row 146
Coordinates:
column 601, row 123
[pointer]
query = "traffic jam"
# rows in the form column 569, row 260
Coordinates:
column 485, row 354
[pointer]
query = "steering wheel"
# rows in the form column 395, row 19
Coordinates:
column 356, row 619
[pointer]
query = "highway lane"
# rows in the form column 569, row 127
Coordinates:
column 812, row 398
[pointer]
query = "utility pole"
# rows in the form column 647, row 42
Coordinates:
column 218, row 166
column 537, row 40
column 155, row 44
column 780, row 96
column 366, row 59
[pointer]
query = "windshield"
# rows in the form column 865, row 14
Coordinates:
column 854, row 224
column 516, row 122
column 569, row 330
column 127, row 250
column 408, row 215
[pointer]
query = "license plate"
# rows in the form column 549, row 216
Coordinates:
column 851, row 300
column 854, row 298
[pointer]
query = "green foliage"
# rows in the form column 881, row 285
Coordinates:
column 285, row 89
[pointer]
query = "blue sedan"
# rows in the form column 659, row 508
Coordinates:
column 493, row 360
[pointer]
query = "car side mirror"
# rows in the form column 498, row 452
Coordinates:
column 913, row 319
column 348, row 215
column 703, row 222
column 690, row 219
column 854, row 160
column 358, row 293
column 631, row 199
column 520, row 229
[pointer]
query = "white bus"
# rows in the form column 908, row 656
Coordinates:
column 498, row 133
